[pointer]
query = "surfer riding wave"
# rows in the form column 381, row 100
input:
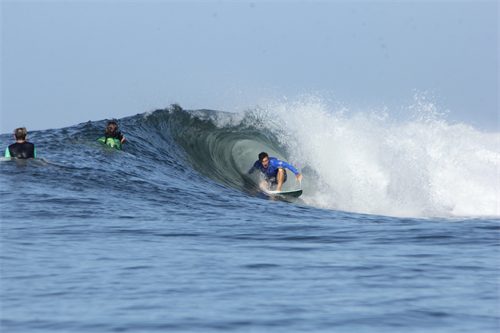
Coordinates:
column 273, row 170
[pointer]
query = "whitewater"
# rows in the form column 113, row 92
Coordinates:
column 397, row 228
column 419, row 168
column 366, row 163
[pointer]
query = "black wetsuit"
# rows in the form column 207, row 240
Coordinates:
column 22, row 150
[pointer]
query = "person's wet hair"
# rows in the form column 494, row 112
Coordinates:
column 20, row 133
column 262, row 156
column 111, row 130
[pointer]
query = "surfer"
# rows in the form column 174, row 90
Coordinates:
column 112, row 137
column 273, row 170
column 22, row 148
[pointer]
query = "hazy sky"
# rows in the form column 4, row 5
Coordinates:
column 68, row 62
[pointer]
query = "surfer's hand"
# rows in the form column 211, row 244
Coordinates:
column 299, row 177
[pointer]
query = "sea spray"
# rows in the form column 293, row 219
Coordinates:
column 366, row 162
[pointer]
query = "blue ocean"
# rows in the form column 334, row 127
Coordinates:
column 397, row 229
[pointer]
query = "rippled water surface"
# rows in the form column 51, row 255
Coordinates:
column 150, row 239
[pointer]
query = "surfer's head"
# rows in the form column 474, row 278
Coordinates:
column 20, row 133
column 111, row 130
column 264, row 159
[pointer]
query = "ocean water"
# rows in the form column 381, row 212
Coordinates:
column 397, row 229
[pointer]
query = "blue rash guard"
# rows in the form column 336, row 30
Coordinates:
column 272, row 170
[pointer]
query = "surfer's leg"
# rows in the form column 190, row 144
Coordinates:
column 281, row 178
column 265, row 184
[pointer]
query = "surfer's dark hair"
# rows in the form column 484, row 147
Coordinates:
column 20, row 133
column 111, row 130
column 262, row 156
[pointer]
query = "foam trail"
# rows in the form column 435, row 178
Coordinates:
column 367, row 163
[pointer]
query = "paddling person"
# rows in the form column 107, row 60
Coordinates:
column 112, row 137
column 21, row 149
column 273, row 170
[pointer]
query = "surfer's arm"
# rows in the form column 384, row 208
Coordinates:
column 289, row 166
column 252, row 169
column 282, row 164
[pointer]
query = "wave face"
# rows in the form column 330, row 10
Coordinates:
column 362, row 163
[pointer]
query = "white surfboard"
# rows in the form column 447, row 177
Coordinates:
column 293, row 194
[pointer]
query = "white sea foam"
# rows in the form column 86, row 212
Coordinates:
column 367, row 163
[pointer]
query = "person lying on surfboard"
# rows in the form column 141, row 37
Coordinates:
column 273, row 170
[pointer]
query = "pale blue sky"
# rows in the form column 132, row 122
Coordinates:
column 68, row 62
